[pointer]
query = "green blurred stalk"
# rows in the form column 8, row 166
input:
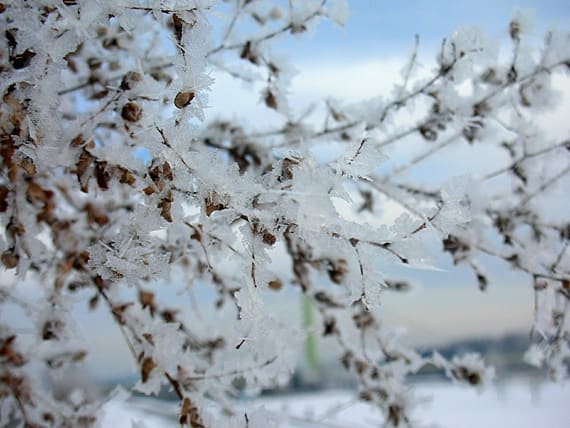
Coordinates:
column 311, row 355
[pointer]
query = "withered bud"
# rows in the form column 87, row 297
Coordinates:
column 268, row 237
column 149, row 190
column 178, row 24
column 94, row 63
column 4, row 191
column 275, row 285
column 248, row 53
column 167, row 171
column 482, row 281
column 183, row 98
column 131, row 112
column 337, row 115
column 168, row 315
column 273, row 68
column 363, row 320
column 130, row 80
column 147, row 299
column 96, row 215
column 28, row 165
column 346, row 359
column 271, row 100
column 540, row 285
column 298, row 28
column 51, row 329
column 275, row 13
column 102, row 175
column 466, row 375
column 398, row 285
column 127, row 178
column 9, row 354
column 10, row 259
column 23, row 60
column 329, row 326
column 428, row 132
column 93, row 302
column 35, row 193
column 515, row 30
column 147, row 366
column 337, row 270
column 165, row 207
column 212, row 206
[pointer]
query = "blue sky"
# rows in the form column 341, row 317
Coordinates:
column 378, row 29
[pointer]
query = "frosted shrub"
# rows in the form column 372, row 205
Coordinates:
column 113, row 176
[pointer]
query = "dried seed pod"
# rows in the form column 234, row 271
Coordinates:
column 182, row 99
column 131, row 112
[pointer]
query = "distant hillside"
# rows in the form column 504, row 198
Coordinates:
column 505, row 354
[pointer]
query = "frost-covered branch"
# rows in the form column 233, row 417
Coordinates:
column 114, row 178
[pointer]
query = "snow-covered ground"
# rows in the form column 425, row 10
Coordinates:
column 516, row 404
